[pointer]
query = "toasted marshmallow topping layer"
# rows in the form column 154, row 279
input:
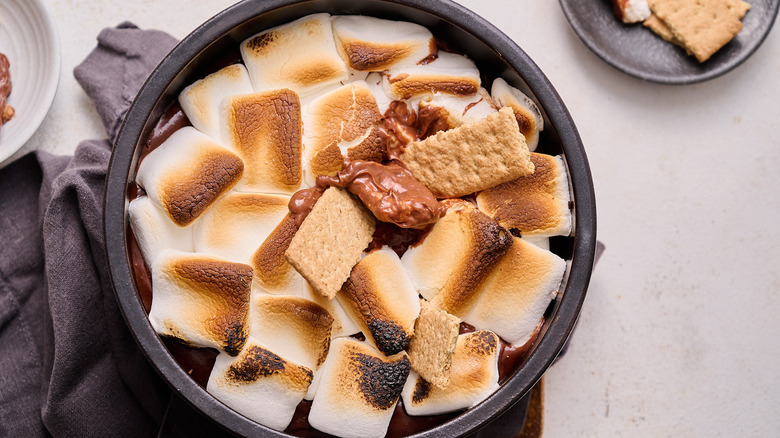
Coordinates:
column 188, row 173
column 300, row 55
column 358, row 390
column 265, row 130
column 381, row 297
column 260, row 384
column 201, row 300
column 535, row 205
column 473, row 377
column 236, row 225
column 374, row 44
column 202, row 101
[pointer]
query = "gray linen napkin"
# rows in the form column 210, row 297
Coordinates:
column 68, row 364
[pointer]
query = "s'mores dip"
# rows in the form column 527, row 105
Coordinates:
column 348, row 230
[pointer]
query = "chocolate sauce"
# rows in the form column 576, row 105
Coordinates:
column 6, row 111
column 389, row 191
column 171, row 121
column 402, row 125
column 397, row 238
column 302, row 202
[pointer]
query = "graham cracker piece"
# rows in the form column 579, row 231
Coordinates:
column 472, row 157
column 331, row 240
column 660, row 28
column 433, row 344
column 701, row 26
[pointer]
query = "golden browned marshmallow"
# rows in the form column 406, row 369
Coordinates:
column 470, row 158
column 529, row 117
column 201, row 300
column 331, row 240
column 236, row 225
column 449, row 74
column 458, row 253
column 512, row 299
column 358, row 390
column 341, row 123
column 260, row 384
column 274, row 275
column 460, row 110
column 202, row 100
column 473, row 377
column 537, row 204
column 381, row 297
column 300, row 55
column 155, row 231
column 431, row 349
column 265, row 130
column 374, row 44
column 188, row 173
column 293, row 327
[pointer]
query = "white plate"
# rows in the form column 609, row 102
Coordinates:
column 30, row 41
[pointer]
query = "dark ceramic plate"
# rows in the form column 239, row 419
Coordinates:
column 637, row 51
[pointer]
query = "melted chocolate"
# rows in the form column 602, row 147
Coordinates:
column 402, row 125
column 389, row 191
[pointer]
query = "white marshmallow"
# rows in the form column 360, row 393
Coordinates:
column 259, row 384
column 381, row 297
column 300, row 55
column 188, row 173
column 512, row 299
column 201, row 300
column 154, row 231
column 202, row 100
column 449, row 73
column 340, row 123
column 473, row 377
column 265, row 129
column 462, row 109
column 375, row 44
column 528, row 115
column 238, row 223
column 358, row 390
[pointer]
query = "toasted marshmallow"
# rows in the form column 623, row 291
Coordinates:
column 358, row 390
column 528, row 115
column 274, row 275
column 202, row 100
column 300, row 55
column 449, row 73
column 459, row 110
column 236, row 225
column 155, row 231
column 293, row 327
column 341, row 123
column 455, row 257
column 631, row 11
column 535, row 205
column 512, row 299
column 374, row 44
column 265, row 130
column 381, row 297
column 473, row 377
column 259, row 384
column 201, row 300
column 188, row 173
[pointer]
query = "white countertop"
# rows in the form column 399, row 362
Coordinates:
column 679, row 333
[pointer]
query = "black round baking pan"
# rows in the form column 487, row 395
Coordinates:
column 463, row 30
